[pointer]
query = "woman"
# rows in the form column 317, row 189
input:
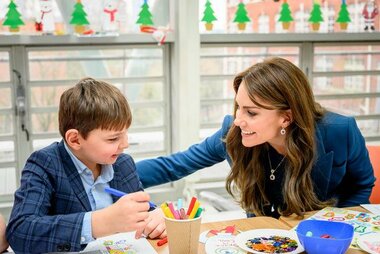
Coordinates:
column 287, row 154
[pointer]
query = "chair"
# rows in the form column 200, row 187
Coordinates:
column 374, row 155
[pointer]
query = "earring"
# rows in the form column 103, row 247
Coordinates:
column 282, row 131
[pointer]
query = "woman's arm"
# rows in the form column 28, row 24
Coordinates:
column 173, row 167
column 359, row 178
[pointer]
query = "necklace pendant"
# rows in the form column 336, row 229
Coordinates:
column 272, row 177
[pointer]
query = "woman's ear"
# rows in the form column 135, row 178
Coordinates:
column 287, row 118
column 72, row 138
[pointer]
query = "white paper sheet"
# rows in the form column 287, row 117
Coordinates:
column 373, row 208
column 121, row 243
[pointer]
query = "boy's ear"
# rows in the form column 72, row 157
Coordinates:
column 72, row 137
column 287, row 118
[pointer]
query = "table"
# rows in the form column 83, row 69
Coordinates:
column 253, row 223
column 241, row 224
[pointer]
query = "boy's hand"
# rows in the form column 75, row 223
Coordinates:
column 155, row 227
column 129, row 213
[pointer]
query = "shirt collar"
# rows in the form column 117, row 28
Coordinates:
column 106, row 174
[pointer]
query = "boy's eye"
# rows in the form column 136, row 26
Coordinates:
column 112, row 139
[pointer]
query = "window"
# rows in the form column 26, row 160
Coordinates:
column 8, row 155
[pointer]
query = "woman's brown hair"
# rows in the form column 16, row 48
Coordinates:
column 284, row 86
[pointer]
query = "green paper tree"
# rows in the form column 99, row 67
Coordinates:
column 241, row 16
column 145, row 16
column 208, row 16
column 13, row 18
column 79, row 18
column 316, row 16
column 285, row 15
column 343, row 16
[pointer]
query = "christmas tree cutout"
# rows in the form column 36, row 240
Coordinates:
column 285, row 15
column 208, row 16
column 241, row 16
column 13, row 18
column 343, row 16
column 145, row 16
column 316, row 16
column 79, row 18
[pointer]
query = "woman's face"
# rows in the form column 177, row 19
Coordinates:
column 258, row 125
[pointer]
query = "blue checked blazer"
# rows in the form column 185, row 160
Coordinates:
column 51, row 202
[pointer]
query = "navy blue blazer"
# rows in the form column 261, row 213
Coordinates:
column 342, row 168
column 51, row 202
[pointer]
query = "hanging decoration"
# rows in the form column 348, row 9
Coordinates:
column 208, row 16
column 316, row 16
column 45, row 21
column 79, row 18
column 13, row 18
column 109, row 17
column 370, row 11
column 343, row 16
column 285, row 15
column 241, row 16
column 145, row 16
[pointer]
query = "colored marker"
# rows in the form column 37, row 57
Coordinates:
column 179, row 204
column 162, row 241
column 182, row 214
column 118, row 193
column 198, row 213
column 173, row 211
column 194, row 210
column 191, row 206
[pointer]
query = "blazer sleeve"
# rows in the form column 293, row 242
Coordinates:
column 173, row 167
column 34, row 225
column 359, row 178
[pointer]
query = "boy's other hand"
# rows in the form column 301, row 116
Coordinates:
column 129, row 213
column 155, row 227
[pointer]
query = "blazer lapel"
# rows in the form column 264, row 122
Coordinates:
column 321, row 173
column 74, row 177
column 122, row 182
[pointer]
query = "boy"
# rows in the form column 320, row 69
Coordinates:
column 61, row 204
column 3, row 240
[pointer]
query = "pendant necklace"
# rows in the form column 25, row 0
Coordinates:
column 272, row 176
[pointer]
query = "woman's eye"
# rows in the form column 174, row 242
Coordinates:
column 251, row 113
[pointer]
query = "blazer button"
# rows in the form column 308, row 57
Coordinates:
column 66, row 247
column 59, row 247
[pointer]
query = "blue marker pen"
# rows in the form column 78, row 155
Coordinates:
column 118, row 193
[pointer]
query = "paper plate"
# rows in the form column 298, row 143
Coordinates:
column 267, row 238
column 370, row 243
column 222, row 244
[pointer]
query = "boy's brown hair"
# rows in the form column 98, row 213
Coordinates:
column 93, row 104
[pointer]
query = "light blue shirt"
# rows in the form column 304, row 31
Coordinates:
column 95, row 191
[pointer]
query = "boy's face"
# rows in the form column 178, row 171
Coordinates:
column 102, row 147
